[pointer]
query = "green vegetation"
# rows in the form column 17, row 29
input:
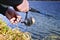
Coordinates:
column 7, row 33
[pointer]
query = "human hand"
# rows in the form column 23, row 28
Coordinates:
column 12, row 16
column 24, row 6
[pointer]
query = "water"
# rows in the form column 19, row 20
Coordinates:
column 44, row 25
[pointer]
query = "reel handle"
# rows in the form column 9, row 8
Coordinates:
column 26, row 15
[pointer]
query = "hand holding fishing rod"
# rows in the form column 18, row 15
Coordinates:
column 29, row 21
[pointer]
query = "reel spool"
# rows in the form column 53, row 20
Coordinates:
column 28, row 21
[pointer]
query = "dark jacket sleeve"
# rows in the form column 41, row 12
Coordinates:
column 3, row 9
column 13, row 3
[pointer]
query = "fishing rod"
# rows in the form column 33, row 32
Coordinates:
column 31, row 20
column 37, row 11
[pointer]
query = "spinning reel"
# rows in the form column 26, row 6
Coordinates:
column 28, row 21
column 31, row 20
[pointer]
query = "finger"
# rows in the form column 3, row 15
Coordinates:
column 25, row 10
column 19, row 18
column 12, row 20
column 15, row 22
